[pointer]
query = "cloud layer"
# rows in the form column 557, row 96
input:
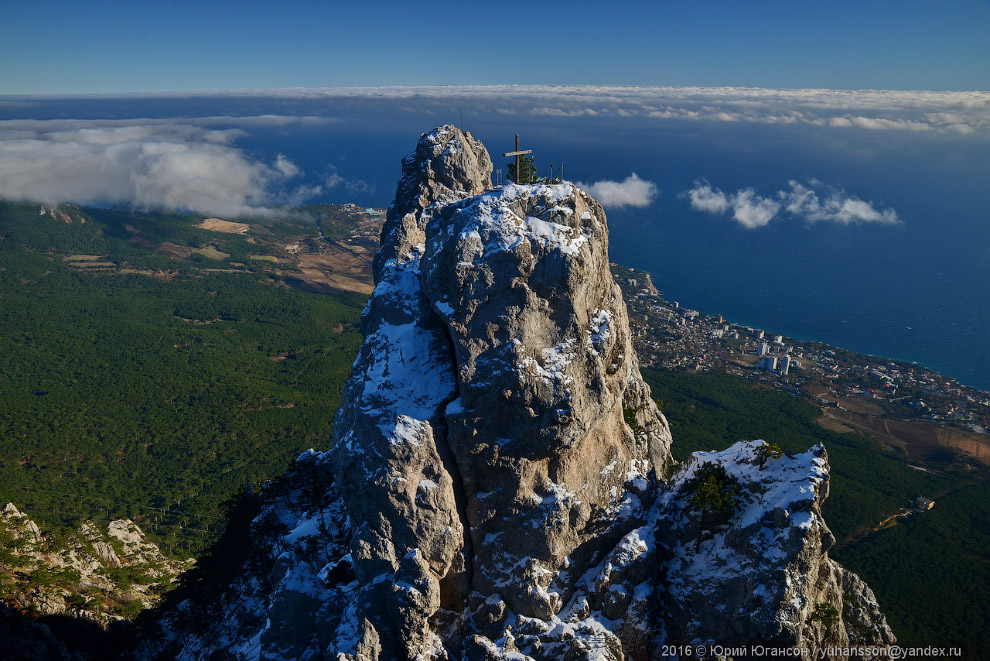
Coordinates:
column 964, row 113
column 177, row 164
column 813, row 203
column 875, row 110
column 630, row 192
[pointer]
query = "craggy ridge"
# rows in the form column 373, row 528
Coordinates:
column 495, row 485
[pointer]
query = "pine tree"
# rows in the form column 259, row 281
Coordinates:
column 714, row 494
column 527, row 166
column 768, row 451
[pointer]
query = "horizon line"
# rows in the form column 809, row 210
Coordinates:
column 502, row 88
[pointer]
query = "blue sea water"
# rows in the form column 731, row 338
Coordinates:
column 915, row 291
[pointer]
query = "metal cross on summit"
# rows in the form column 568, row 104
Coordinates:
column 517, row 153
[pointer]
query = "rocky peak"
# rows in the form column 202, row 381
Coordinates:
column 542, row 346
column 448, row 165
column 762, row 574
column 493, row 487
column 491, row 397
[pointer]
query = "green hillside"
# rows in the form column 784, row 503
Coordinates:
column 156, row 387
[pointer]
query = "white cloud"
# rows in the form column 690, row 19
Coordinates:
column 559, row 112
column 54, row 125
column 752, row 211
column 287, row 168
column 334, row 179
column 837, row 207
column 891, row 110
column 881, row 124
column 631, row 192
column 814, row 203
column 748, row 209
column 705, row 198
column 178, row 164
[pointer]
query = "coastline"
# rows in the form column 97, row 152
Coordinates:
column 909, row 408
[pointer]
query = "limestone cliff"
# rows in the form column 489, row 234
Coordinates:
column 494, row 488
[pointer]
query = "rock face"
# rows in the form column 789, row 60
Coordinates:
column 390, row 451
column 764, row 574
column 489, row 305
column 494, row 486
column 74, row 576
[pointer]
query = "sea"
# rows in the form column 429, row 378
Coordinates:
column 917, row 290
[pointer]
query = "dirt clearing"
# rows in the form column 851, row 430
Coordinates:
column 225, row 226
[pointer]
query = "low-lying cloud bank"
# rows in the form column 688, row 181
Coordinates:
column 876, row 110
column 814, row 203
column 631, row 192
column 188, row 164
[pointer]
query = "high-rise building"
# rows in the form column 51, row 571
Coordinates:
column 764, row 349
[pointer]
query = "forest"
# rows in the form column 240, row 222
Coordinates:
column 155, row 397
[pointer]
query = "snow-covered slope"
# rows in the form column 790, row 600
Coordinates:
column 763, row 574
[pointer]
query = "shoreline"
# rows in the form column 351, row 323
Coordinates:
column 817, row 340
column 905, row 405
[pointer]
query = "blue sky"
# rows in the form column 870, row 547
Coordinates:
column 55, row 47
